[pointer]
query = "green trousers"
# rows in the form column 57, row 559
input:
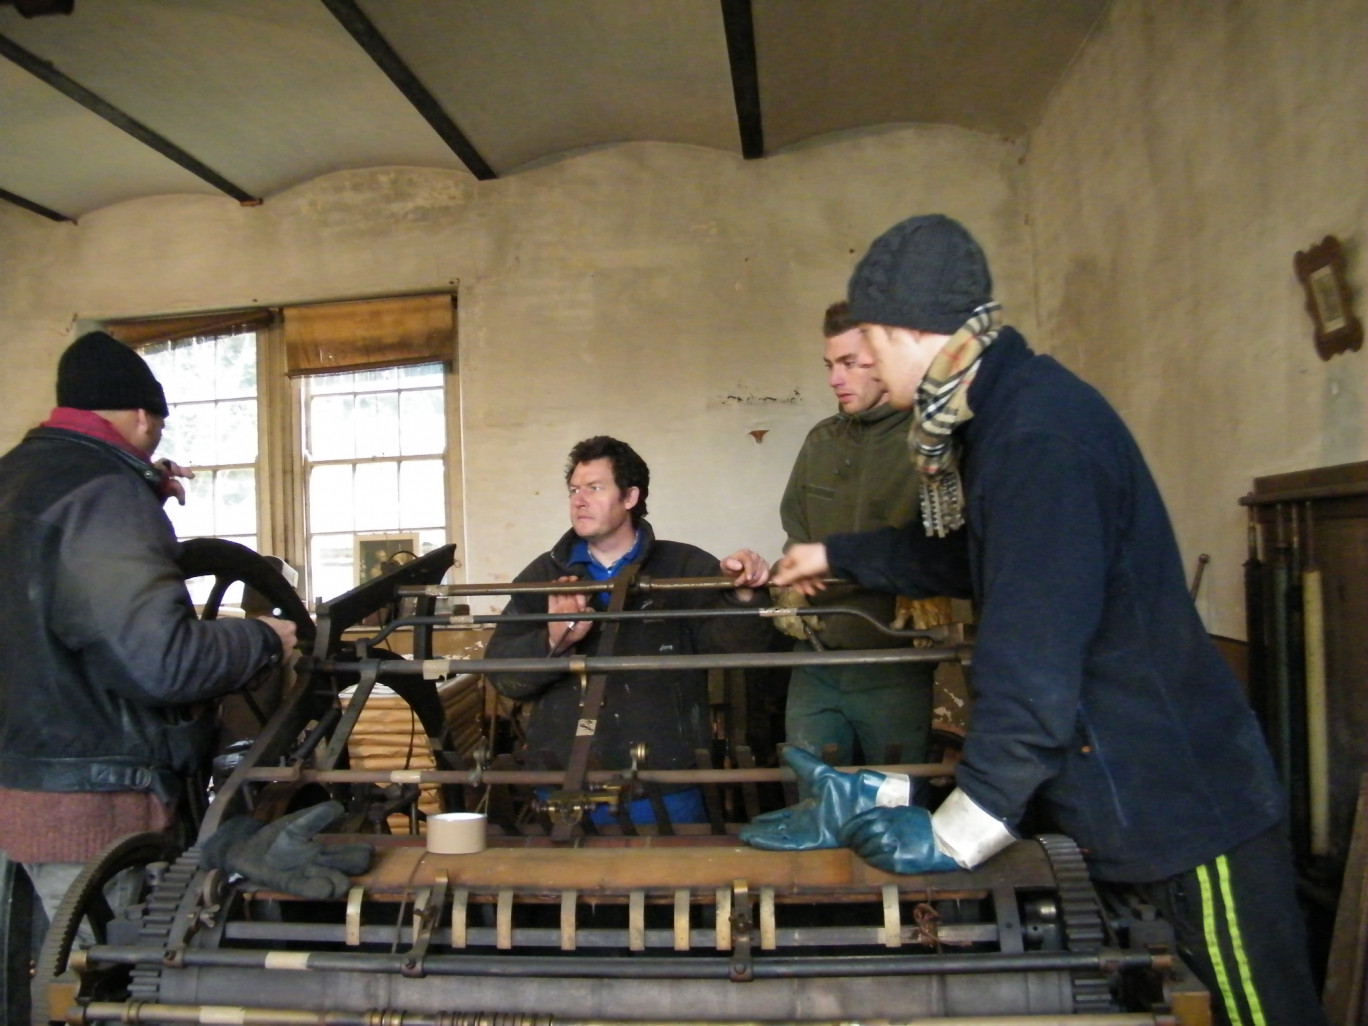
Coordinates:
column 871, row 706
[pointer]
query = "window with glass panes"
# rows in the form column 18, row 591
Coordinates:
column 211, row 387
column 293, row 455
column 374, row 454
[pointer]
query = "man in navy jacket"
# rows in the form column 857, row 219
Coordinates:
column 1100, row 704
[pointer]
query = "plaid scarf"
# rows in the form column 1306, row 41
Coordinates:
column 942, row 406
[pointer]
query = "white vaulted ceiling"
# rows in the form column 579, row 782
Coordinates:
column 128, row 98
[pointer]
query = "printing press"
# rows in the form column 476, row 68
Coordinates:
column 561, row 920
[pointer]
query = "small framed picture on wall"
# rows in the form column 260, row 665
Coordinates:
column 1321, row 272
column 378, row 554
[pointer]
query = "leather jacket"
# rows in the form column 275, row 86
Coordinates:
column 103, row 663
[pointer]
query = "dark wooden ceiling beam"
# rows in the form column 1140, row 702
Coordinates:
column 739, row 23
column 37, row 208
column 354, row 20
column 40, row 8
column 47, row 72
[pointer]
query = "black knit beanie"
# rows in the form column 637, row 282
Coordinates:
column 926, row 273
column 98, row 372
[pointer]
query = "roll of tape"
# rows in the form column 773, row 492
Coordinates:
column 456, row 833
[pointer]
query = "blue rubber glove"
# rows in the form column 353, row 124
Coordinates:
column 828, row 798
column 896, row 841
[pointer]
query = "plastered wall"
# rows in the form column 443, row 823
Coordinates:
column 1192, row 150
column 1143, row 234
column 670, row 295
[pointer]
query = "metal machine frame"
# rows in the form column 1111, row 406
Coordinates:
column 559, row 921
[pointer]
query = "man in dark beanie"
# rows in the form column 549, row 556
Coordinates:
column 1101, row 708
column 98, row 372
column 102, row 659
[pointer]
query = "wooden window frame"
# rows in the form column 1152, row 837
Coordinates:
column 383, row 332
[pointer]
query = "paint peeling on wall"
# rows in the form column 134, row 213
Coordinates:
column 747, row 397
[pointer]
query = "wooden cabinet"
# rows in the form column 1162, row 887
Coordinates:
column 1307, row 605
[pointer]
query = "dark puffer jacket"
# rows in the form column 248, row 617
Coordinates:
column 1098, row 693
column 102, row 657
column 669, row 711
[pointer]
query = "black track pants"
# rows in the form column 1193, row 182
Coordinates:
column 1239, row 927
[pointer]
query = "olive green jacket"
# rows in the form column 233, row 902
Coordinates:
column 853, row 473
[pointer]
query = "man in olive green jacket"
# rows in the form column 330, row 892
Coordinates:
column 853, row 474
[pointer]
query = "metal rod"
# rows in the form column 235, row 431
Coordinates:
column 584, row 587
column 256, row 933
column 1317, row 720
column 1202, row 561
column 1282, row 685
column 556, row 777
column 594, row 664
column 598, row 616
column 1255, row 632
column 1300, row 806
column 659, row 968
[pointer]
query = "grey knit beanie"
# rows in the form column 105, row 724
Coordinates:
column 98, row 372
column 926, row 273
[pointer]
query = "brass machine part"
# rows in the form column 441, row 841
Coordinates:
column 567, row 806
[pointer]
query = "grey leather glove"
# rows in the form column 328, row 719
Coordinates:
column 283, row 855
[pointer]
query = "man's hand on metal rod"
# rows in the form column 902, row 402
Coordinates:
column 748, row 571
